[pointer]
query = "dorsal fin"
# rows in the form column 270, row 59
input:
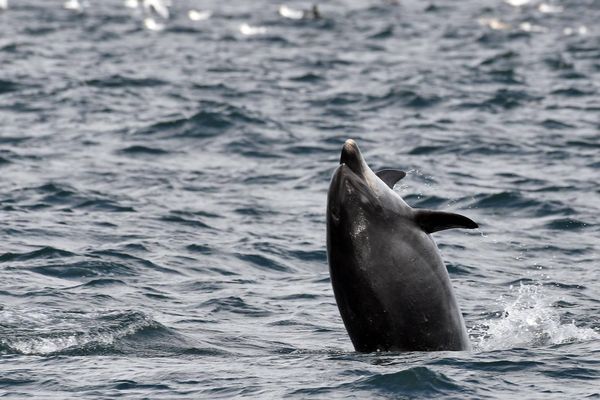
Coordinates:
column 390, row 176
column 433, row 221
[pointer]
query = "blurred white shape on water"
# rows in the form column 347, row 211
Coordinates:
column 152, row 12
column 196, row 15
column 493, row 23
column 3, row 4
column 151, row 24
column 160, row 7
column 517, row 3
column 249, row 30
column 291, row 13
column 549, row 8
column 529, row 27
column 74, row 5
column 581, row 30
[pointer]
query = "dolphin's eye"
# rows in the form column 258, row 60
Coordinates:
column 335, row 213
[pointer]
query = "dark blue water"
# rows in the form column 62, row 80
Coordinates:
column 163, row 187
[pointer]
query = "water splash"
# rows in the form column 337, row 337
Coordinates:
column 528, row 319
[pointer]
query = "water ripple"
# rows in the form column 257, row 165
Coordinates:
column 212, row 120
column 415, row 381
column 163, row 194
column 44, row 253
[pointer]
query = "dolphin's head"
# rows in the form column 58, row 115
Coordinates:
column 354, row 187
column 352, row 158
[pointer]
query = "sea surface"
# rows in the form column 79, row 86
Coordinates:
column 163, row 182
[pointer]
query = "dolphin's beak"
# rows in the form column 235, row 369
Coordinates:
column 352, row 157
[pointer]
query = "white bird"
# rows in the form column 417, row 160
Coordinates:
column 517, row 3
column 250, row 30
column 3, row 4
column 160, row 7
column 292, row 13
column 151, row 24
column 132, row 3
column 196, row 15
column 72, row 5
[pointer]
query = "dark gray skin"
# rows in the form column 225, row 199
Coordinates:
column 389, row 280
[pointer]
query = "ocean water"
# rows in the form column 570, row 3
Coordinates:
column 163, row 188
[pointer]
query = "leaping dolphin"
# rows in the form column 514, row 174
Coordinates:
column 390, row 283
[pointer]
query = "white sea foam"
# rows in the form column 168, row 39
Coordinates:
column 528, row 319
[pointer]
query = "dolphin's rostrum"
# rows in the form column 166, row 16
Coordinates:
column 389, row 280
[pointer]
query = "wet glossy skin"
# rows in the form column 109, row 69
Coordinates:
column 389, row 280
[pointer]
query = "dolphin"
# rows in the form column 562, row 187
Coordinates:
column 390, row 283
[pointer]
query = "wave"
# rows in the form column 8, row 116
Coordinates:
column 136, row 150
column 235, row 305
column 130, row 260
column 8, row 86
column 50, row 333
column 502, row 99
column 119, row 81
column 412, row 382
column 566, row 224
column 517, row 201
column 572, row 92
column 181, row 220
column 264, row 262
column 67, row 198
column 84, row 269
column 54, row 262
column 213, row 119
column 200, row 248
column 43, row 253
column 371, row 102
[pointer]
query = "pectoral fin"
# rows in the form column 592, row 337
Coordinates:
column 390, row 176
column 433, row 221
